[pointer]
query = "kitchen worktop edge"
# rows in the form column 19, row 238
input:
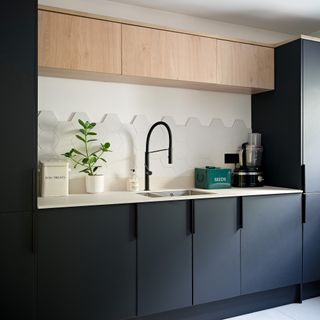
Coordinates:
column 125, row 197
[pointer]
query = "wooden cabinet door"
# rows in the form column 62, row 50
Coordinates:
column 271, row 242
column 16, row 267
column 164, row 257
column 79, row 43
column 87, row 263
column 311, row 239
column 245, row 65
column 216, row 250
column 163, row 54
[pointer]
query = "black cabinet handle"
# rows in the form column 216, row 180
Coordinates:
column 240, row 213
column 304, row 208
column 192, row 216
column 34, row 233
column 33, row 189
column 136, row 221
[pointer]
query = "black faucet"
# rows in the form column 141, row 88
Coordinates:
column 147, row 171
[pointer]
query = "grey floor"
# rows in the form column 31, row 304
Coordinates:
column 308, row 310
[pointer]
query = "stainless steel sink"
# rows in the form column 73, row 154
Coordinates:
column 173, row 193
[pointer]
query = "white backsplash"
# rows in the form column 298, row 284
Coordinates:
column 194, row 145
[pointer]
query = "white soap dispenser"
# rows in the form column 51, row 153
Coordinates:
column 133, row 182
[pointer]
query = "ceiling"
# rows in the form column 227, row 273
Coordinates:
column 287, row 16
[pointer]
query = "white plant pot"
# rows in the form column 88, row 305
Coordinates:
column 95, row 184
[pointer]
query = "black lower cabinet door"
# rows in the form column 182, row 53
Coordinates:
column 311, row 239
column 164, row 257
column 16, row 267
column 87, row 263
column 216, row 250
column 271, row 242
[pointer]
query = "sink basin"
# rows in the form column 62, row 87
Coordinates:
column 173, row 193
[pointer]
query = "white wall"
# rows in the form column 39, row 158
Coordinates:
column 194, row 145
column 199, row 144
column 315, row 34
column 64, row 96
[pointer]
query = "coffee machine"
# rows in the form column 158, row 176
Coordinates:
column 249, row 172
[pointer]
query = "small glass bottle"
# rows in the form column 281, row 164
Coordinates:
column 133, row 182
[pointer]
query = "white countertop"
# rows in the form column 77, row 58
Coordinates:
column 123, row 197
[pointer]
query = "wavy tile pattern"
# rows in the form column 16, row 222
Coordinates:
column 194, row 145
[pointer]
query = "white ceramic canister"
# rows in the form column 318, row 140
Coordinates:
column 54, row 178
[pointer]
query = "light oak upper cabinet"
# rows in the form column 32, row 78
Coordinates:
column 245, row 65
column 71, row 45
column 161, row 54
column 79, row 43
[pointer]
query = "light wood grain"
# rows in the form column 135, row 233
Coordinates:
column 168, row 55
column 81, row 45
column 161, row 27
column 78, row 43
column 151, row 26
column 107, row 77
column 245, row 65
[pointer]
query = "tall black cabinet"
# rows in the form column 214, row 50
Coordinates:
column 288, row 119
column 18, row 99
column 311, row 114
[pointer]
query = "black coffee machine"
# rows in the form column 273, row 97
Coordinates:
column 248, row 172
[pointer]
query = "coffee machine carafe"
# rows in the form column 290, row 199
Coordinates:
column 249, row 172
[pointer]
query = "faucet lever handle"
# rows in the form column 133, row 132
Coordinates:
column 147, row 171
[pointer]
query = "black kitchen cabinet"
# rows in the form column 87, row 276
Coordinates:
column 271, row 242
column 18, row 99
column 87, row 263
column 216, row 250
column 164, row 256
column 311, row 114
column 17, row 266
column 311, row 239
column 288, row 118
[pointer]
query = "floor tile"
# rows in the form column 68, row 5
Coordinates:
column 308, row 310
column 269, row 314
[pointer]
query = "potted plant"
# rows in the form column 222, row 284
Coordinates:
column 89, row 160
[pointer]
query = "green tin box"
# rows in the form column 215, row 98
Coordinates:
column 212, row 178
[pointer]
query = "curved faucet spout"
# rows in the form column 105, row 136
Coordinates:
column 147, row 171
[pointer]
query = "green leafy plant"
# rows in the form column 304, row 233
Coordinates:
column 86, row 159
